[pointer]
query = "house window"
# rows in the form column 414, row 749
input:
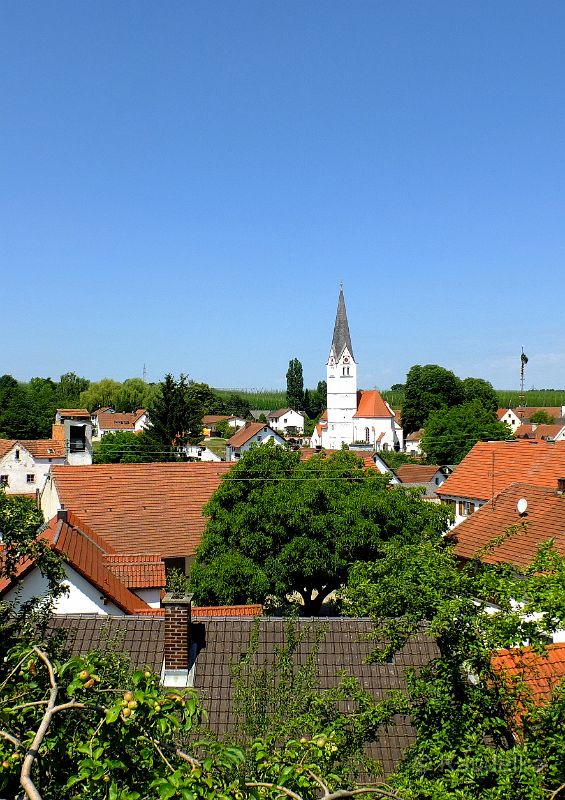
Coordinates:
column 30, row 477
column 3, row 480
column 466, row 508
column 367, row 434
column 17, row 455
column 259, row 437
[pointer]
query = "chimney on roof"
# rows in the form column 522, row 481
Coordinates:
column 176, row 666
column 62, row 514
column 560, row 485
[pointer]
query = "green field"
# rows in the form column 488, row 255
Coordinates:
column 271, row 398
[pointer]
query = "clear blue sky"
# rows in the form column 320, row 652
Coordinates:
column 184, row 184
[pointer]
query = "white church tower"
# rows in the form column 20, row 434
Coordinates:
column 341, row 372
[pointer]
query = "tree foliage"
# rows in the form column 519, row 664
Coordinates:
column 281, row 527
column 541, row 418
column 427, row 389
column 126, row 447
column 479, row 389
column 479, row 735
column 295, row 385
column 450, row 433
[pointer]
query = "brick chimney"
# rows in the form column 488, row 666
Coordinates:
column 177, row 639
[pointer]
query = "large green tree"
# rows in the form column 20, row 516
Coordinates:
column 450, row 433
column 479, row 735
column 176, row 415
column 295, row 385
column 427, row 389
column 281, row 528
column 479, row 389
column 126, row 447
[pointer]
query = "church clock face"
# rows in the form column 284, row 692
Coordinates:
column 346, row 359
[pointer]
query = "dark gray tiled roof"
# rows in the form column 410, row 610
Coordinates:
column 141, row 638
column 223, row 641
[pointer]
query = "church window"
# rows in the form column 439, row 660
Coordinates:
column 366, row 434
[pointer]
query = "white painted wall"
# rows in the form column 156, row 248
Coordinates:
column 292, row 419
column 49, row 499
column 18, row 463
column 234, row 453
column 150, row 596
column 81, row 598
column 200, row 453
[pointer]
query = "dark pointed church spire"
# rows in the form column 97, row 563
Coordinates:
column 341, row 338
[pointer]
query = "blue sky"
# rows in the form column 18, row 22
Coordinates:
column 185, row 184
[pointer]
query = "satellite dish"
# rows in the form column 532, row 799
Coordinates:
column 521, row 506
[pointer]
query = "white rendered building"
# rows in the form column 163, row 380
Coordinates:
column 353, row 417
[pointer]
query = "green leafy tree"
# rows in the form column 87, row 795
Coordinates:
column 134, row 394
column 236, row 406
column 17, row 411
column 42, row 395
column 125, row 447
column 102, row 394
column 450, row 433
column 466, row 712
column 427, row 389
column 224, row 429
column 294, row 385
column 279, row 527
column 541, row 418
column 479, row 389
column 69, row 390
column 176, row 415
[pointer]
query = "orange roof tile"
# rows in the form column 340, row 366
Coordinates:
column 527, row 411
column 137, row 571
column 492, row 466
column 324, row 415
column 371, row 404
column 118, row 421
column 226, row 611
column 535, row 675
column 142, row 508
column 415, row 473
column 280, row 412
column 211, row 419
column 73, row 412
column 246, row 433
column 501, row 412
column 38, row 448
column 84, row 551
column 544, row 519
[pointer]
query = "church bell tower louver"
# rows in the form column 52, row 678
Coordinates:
column 341, row 373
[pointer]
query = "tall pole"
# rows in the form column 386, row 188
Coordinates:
column 523, row 362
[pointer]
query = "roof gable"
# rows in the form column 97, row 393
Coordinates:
column 370, row 404
column 492, row 466
column 142, row 508
column 341, row 339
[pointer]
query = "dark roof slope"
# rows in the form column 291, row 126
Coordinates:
column 224, row 641
column 341, row 338
column 139, row 637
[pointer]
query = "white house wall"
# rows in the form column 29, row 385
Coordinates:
column 150, row 596
column 81, row 598
column 17, row 470
column 49, row 500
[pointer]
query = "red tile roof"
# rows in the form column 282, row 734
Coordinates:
column 492, row 466
column 73, row 412
column 501, row 413
column 212, row 419
column 542, row 431
column 138, row 571
column 364, row 455
column 118, row 421
column 38, row 448
column 324, row 415
column 246, row 433
column 280, row 412
column 544, row 519
column 142, row 508
column 84, row 551
column 415, row 473
column 528, row 411
column 534, row 675
column 371, row 404
column 226, row 611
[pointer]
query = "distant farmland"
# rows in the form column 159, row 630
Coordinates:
column 272, row 398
